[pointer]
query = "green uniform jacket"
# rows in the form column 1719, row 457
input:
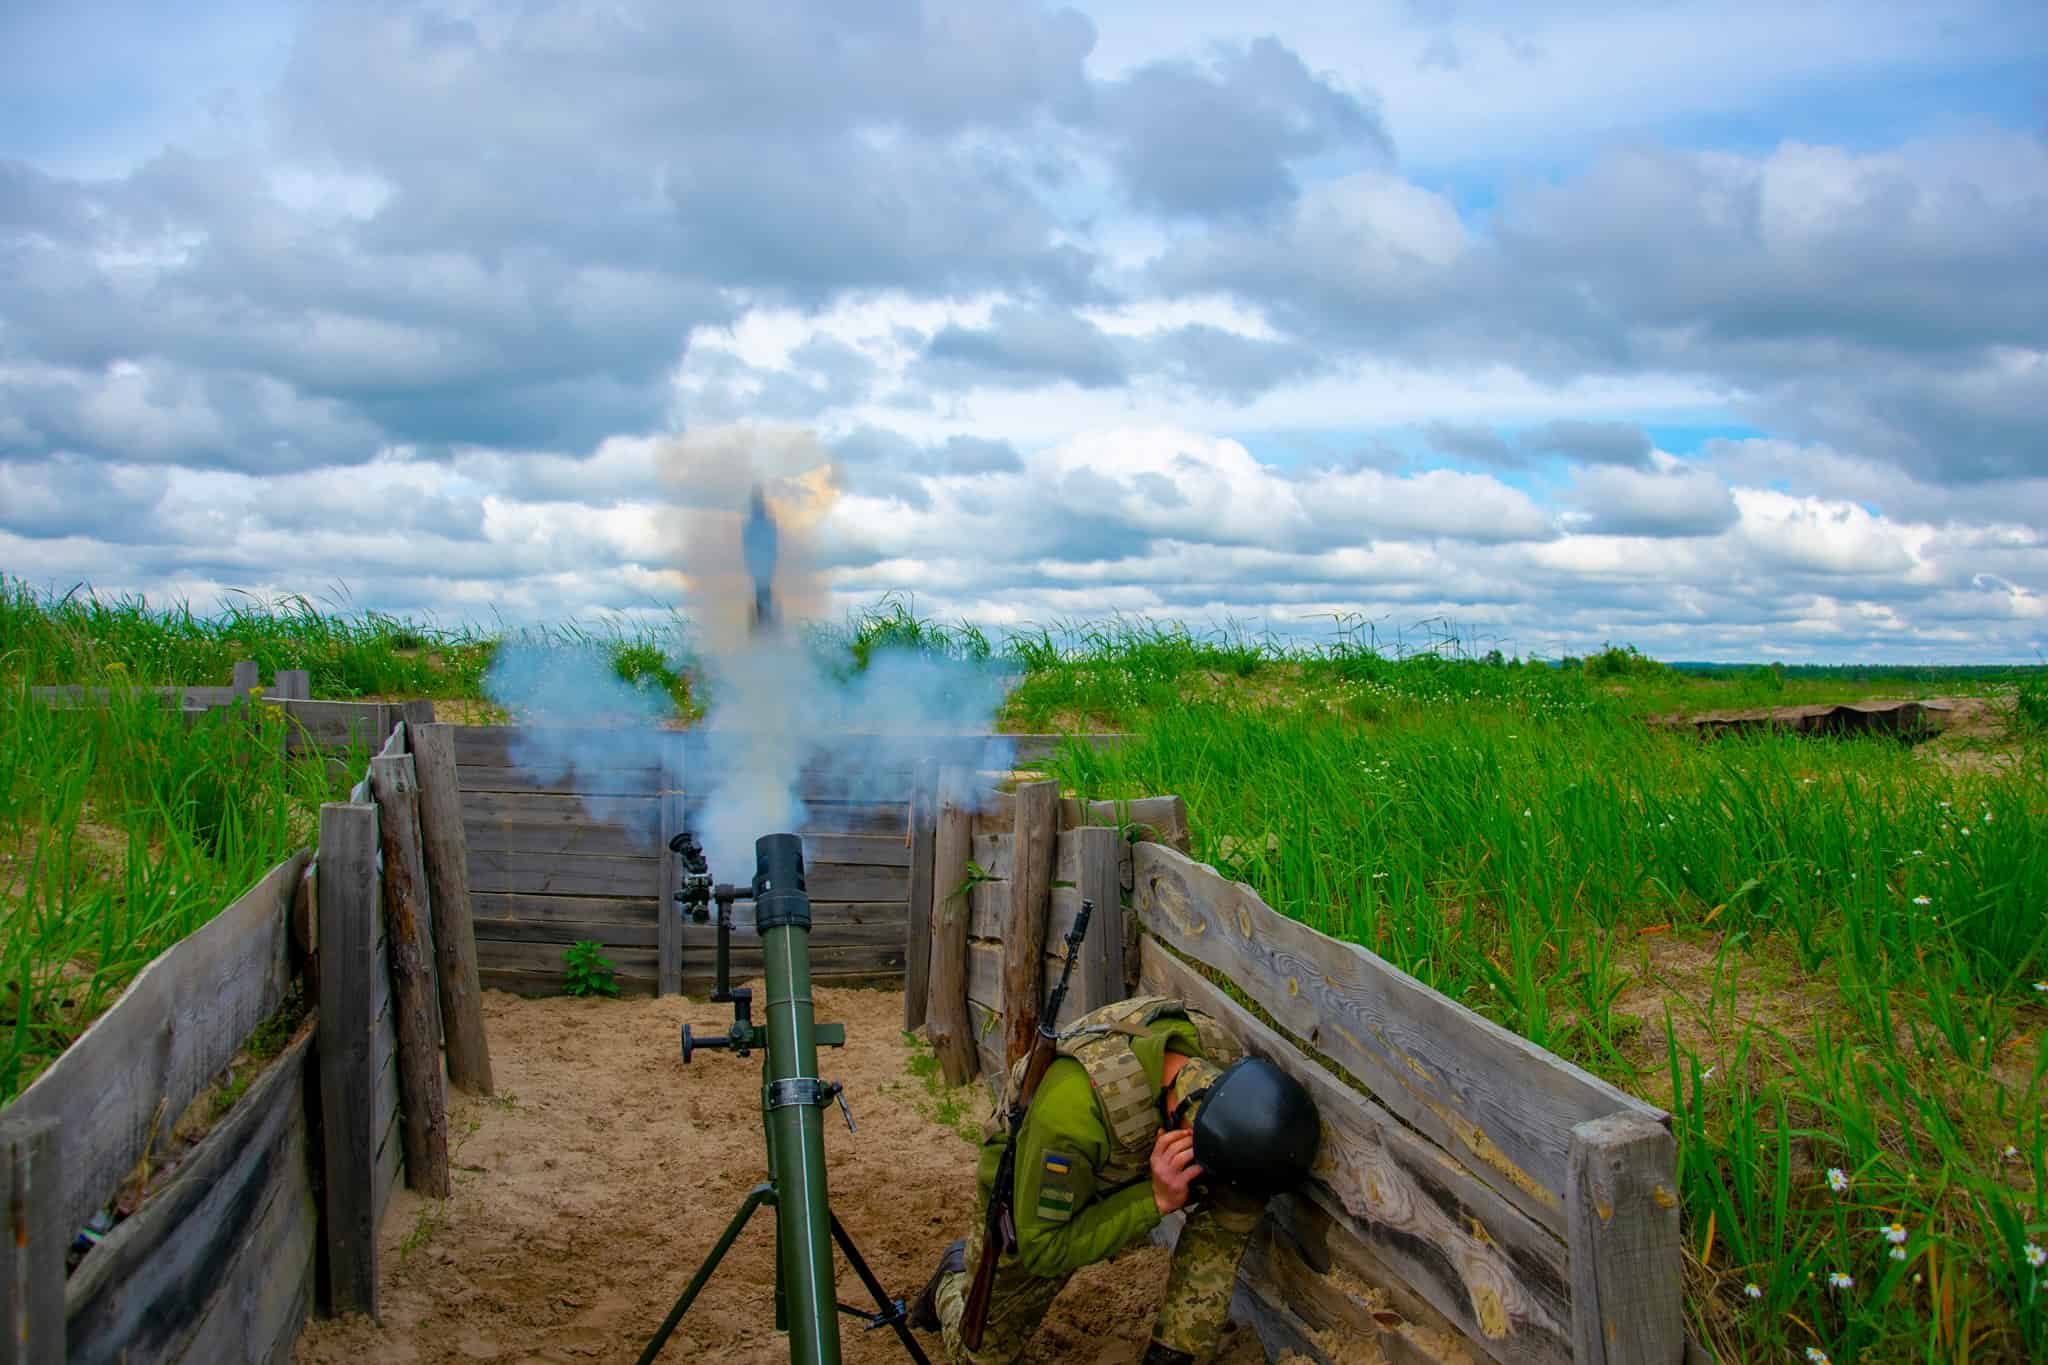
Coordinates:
column 1065, row 1217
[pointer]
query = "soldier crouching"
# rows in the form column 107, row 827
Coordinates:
column 1148, row 1108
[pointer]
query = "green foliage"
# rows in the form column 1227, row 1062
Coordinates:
column 957, row 1107
column 1621, row 662
column 2030, row 703
column 587, row 971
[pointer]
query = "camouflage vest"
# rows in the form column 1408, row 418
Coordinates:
column 1100, row 1041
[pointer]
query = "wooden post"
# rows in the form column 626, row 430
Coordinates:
column 414, row 1000
column 33, row 1244
column 1031, row 855
column 447, row 859
column 668, row 920
column 293, row 684
column 1621, row 1202
column 917, row 951
column 945, row 1019
column 1100, row 972
column 247, row 679
column 347, row 887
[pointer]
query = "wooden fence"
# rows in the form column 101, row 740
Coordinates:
column 223, row 1257
column 567, row 833
column 1475, row 1197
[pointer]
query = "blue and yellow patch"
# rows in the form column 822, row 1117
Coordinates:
column 1055, row 1196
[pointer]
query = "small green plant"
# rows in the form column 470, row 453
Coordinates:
column 951, row 1106
column 587, row 971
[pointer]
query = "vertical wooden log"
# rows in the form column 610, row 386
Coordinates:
column 945, row 1018
column 292, row 684
column 33, row 1243
column 917, row 952
column 1031, row 857
column 447, row 858
column 415, row 1003
column 668, row 923
column 1621, row 1205
column 347, row 889
column 247, row 679
column 1101, row 968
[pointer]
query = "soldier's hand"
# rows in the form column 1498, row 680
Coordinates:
column 1173, row 1169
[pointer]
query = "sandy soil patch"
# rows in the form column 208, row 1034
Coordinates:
column 588, row 1193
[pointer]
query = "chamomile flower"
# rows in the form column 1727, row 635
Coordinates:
column 2011, row 1153
column 2036, row 1256
column 1898, row 1253
column 1754, row 1290
column 1895, row 1233
column 2042, row 986
column 1841, row 1279
column 1817, row 1355
column 1923, row 900
column 1838, row 1179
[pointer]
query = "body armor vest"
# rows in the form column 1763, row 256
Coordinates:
column 1100, row 1041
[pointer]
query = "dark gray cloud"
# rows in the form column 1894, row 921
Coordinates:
column 1622, row 443
column 1211, row 360
column 1024, row 347
column 1469, row 441
column 1220, row 141
column 883, row 464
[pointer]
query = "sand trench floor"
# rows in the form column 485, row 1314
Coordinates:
column 589, row 1190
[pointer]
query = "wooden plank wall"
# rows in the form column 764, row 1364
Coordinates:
column 1508, row 1199
column 560, row 853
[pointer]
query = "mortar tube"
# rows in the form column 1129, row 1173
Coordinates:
column 796, row 1130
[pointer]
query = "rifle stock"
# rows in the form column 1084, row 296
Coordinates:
column 999, row 1227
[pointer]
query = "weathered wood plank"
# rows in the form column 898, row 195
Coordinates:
column 823, row 816
column 577, row 781
column 567, row 931
column 988, row 910
column 488, row 808
column 415, row 997
column 592, row 910
column 1156, row 819
column 917, row 939
column 1627, row 1265
column 872, row 850
column 991, row 850
column 857, row 882
column 562, row 874
column 537, row 983
column 445, row 850
column 536, row 969
column 1099, row 976
column 668, row 976
column 946, row 1023
column 985, row 979
column 573, row 833
column 337, row 725
column 1489, row 1268
column 34, row 1240
column 1497, row 1102
column 504, row 745
column 509, row 955
column 218, row 1264
column 390, row 1166
column 349, row 893
column 178, row 1023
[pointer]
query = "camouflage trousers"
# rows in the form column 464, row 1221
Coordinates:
column 1199, row 1284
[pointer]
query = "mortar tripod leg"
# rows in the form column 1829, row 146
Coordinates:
column 697, row 1282
column 892, row 1310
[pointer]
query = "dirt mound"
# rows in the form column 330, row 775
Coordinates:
column 587, row 1194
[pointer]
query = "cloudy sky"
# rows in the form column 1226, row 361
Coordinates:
column 1721, row 328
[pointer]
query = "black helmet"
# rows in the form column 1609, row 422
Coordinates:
column 1257, row 1129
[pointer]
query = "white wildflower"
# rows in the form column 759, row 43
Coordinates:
column 1923, row 900
column 2036, row 1257
column 1838, row 1179
column 1753, row 1291
column 1841, row 1279
column 1895, row 1233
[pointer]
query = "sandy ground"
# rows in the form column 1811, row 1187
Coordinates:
column 587, row 1194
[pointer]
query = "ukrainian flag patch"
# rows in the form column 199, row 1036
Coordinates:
column 1056, row 1164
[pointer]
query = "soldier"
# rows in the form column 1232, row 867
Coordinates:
column 1147, row 1108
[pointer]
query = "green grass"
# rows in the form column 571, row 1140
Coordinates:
column 1733, row 929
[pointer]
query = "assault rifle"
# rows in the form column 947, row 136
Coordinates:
column 999, row 1230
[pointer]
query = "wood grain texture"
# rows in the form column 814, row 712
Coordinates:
column 415, row 998
column 917, row 937
column 569, row 828
column 1305, row 1309
column 1024, row 940
column 34, row 1240
column 163, row 1040
column 1627, row 1265
column 563, row 874
column 857, row 882
column 945, row 1020
column 621, row 910
column 1099, row 976
column 985, row 979
column 1487, row 1267
column 633, row 781
column 1501, row 1105
column 444, row 845
column 217, row 1265
column 668, row 975
column 349, row 895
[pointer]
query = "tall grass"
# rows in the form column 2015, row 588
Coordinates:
column 1819, row 954
column 123, row 829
